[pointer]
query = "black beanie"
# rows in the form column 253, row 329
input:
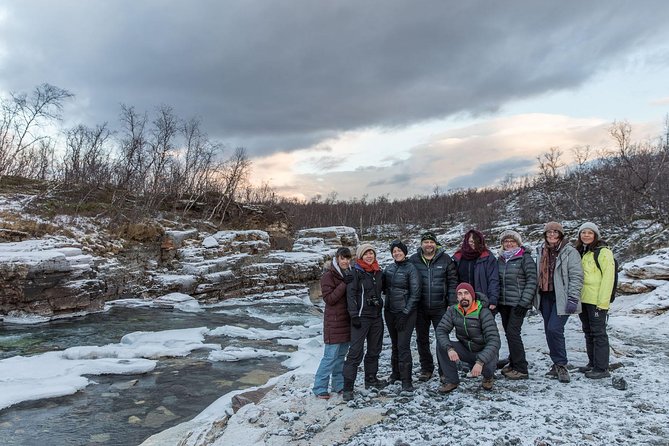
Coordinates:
column 399, row 244
column 429, row 235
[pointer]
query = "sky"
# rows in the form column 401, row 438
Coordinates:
column 382, row 97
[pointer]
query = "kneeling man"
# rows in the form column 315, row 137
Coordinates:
column 478, row 339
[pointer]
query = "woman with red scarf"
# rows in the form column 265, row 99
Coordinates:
column 364, row 302
column 477, row 266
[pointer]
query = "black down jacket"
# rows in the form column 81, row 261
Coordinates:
column 401, row 285
column 438, row 279
column 363, row 295
column 517, row 280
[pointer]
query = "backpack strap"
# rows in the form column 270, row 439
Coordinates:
column 596, row 255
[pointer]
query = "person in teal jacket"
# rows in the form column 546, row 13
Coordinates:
column 595, row 298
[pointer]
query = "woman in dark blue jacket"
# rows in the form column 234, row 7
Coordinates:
column 477, row 266
column 401, row 285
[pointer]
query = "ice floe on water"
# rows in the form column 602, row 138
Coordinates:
column 286, row 331
column 52, row 374
column 60, row 373
column 231, row 354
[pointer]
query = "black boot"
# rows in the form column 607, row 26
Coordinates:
column 347, row 394
column 371, row 381
column 405, row 373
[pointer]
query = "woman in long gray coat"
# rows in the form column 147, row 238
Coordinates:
column 560, row 279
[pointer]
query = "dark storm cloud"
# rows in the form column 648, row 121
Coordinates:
column 488, row 174
column 276, row 75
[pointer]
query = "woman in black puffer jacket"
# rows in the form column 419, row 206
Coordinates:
column 401, row 285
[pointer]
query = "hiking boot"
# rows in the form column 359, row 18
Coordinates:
column 515, row 374
column 585, row 368
column 347, row 395
column 395, row 376
column 552, row 373
column 407, row 386
column 424, row 376
column 374, row 382
column 487, row 383
column 597, row 374
column 562, row 374
column 447, row 388
column 323, row 396
column 506, row 369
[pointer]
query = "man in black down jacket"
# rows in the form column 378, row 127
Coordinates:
column 438, row 282
column 478, row 339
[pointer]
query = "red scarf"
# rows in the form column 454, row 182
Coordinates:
column 467, row 251
column 374, row 267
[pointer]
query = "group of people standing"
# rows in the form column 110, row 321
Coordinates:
column 459, row 296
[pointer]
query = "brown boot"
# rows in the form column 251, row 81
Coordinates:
column 487, row 383
column 447, row 388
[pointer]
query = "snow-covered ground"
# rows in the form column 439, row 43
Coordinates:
column 538, row 411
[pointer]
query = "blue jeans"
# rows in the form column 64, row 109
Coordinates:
column 331, row 365
column 554, row 329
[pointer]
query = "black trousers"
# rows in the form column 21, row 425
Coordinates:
column 593, row 322
column 466, row 356
column 425, row 317
column 371, row 331
column 400, row 356
column 512, row 326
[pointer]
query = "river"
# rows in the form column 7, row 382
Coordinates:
column 126, row 409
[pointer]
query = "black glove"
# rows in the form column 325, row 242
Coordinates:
column 571, row 305
column 401, row 322
column 519, row 311
column 355, row 321
column 348, row 278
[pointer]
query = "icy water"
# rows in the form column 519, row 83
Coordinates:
column 127, row 409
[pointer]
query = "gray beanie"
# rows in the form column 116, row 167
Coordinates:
column 362, row 249
column 590, row 225
column 511, row 234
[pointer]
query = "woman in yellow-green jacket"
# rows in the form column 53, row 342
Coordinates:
column 595, row 298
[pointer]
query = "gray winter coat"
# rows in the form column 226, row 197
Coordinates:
column 517, row 280
column 476, row 331
column 567, row 278
column 401, row 285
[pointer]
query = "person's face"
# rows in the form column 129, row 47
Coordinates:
column 398, row 254
column 587, row 236
column 368, row 257
column 552, row 236
column 509, row 243
column 465, row 298
column 428, row 246
column 471, row 241
column 343, row 262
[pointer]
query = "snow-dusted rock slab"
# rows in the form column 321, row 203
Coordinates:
column 48, row 277
column 325, row 239
column 654, row 266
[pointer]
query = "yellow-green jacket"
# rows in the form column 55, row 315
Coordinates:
column 598, row 285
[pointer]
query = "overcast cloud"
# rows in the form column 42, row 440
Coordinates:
column 284, row 75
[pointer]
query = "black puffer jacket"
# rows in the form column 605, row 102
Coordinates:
column 517, row 280
column 477, row 331
column 363, row 295
column 401, row 285
column 438, row 279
